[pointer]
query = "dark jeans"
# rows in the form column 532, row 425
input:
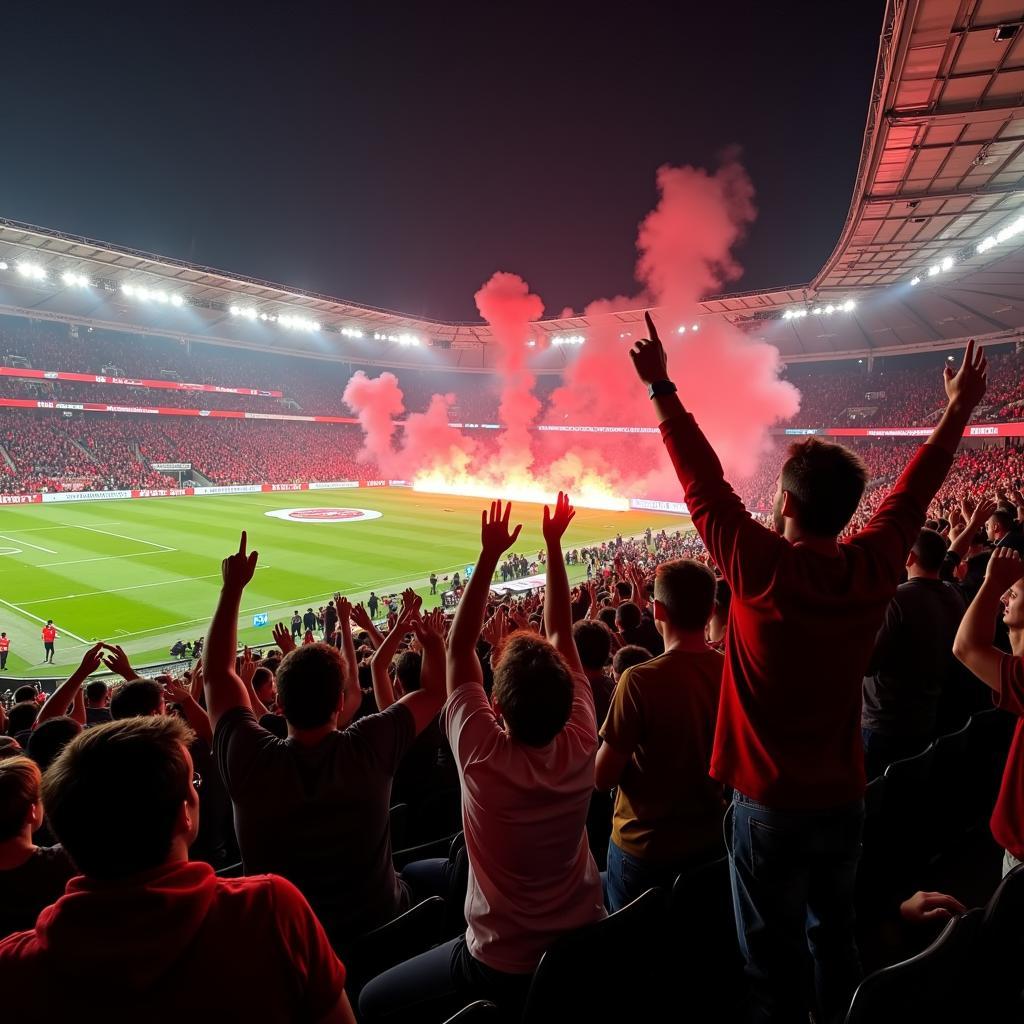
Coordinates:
column 3, row 659
column 793, row 880
column 433, row 986
column 881, row 750
column 628, row 877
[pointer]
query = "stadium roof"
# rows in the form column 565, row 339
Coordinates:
column 941, row 171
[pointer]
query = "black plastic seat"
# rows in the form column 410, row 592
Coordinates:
column 601, row 971
column 479, row 1012
column 933, row 987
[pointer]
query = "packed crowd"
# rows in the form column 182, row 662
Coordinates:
column 666, row 718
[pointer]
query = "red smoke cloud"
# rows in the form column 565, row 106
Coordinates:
column 731, row 384
column 508, row 305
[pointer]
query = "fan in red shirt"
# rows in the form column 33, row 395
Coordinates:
column 5, row 646
column 49, row 635
column 122, row 799
column 804, row 615
column 1003, row 585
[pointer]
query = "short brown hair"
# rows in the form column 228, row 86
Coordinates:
column 534, row 688
column 685, row 588
column 19, row 792
column 827, row 482
column 309, row 682
column 113, row 794
column 594, row 643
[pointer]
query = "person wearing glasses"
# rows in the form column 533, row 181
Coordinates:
column 122, row 799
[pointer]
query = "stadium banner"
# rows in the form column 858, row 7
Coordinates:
column 20, row 499
column 230, row 489
column 572, row 428
column 327, row 485
column 165, row 492
column 653, row 505
column 51, row 496
column 170, row 465
column 167, row 385
column 399, row 483
column 373, row 483
column 284, row 487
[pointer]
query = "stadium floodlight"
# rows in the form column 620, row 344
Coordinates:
column 177, row 300
column 32, row 271
column 934, row 269
column 681, row 329
column 569, row 339
column 70, row 278
column 947, row 263
column 986, row 244
column 694, row 327
column 128, row 289
column 915, row 280
column 817, row 311
column 351, row 332
column 829, row 309
column 3, row 265
column 848, row 306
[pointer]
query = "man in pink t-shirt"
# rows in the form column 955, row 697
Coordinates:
column 526, row 760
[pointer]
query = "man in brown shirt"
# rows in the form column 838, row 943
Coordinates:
column 657, row 744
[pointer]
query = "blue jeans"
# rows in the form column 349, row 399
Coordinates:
column 793, row 883
column 628, row 877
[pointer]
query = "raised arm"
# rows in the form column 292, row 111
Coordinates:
column 426, row 702
column 383, row 689
column 463, row 663
column 196, row 717
column 361, row 617
column 557, row 606
column 973, row 643
column 964, row 390
column 246, row 671
column 58, row 702
column 351, row 694
column 743, row 549
column 224, row 689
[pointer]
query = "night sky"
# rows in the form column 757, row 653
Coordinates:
column 397, row 154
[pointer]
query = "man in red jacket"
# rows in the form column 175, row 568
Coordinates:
column 805, row 611
column 122, row 799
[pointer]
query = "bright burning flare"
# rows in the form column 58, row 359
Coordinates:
column 592, row 494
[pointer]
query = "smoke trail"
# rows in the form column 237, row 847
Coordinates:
column 375, row 402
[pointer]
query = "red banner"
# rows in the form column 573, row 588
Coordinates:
column 20, row 499
column 148, row 410
column 169, row 385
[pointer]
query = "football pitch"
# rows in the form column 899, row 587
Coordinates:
column 146, row 573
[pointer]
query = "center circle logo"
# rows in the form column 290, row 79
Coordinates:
column 324, row 515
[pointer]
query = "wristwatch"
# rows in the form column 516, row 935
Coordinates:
column 661, row 387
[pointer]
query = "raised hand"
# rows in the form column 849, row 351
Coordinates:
column 495, row 538
column 92, row 659
column 247, row 668
column 557, row 522
column 428, row 631
column 497, row 627
column 411, row 603
column 966, row 387
column 344, row 606
column 283, row 638
column 360, row 616
column 648, row 355
column 1004, row 568
column 176, row 692
column 238, row 569
column 117, row 661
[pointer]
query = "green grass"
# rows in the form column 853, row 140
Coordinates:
column 147, row 573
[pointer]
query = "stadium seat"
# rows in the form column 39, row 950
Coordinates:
column 408, row 935
column 933, row 987
column 600, row 971
column 435, row 815
column 948, row 795
column 901, row 834
column 1001, row 949
column 989, row 734
column 700, row 936
column 476, row 1013
column 424, row 851
column 231, row 871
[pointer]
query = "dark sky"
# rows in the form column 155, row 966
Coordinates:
column 397, row 154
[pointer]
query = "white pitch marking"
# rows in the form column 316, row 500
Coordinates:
column 101, row 558
column 63, row 526
column 66, row 632
column 121, row 536
column 38, row 547
column 138, row 586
